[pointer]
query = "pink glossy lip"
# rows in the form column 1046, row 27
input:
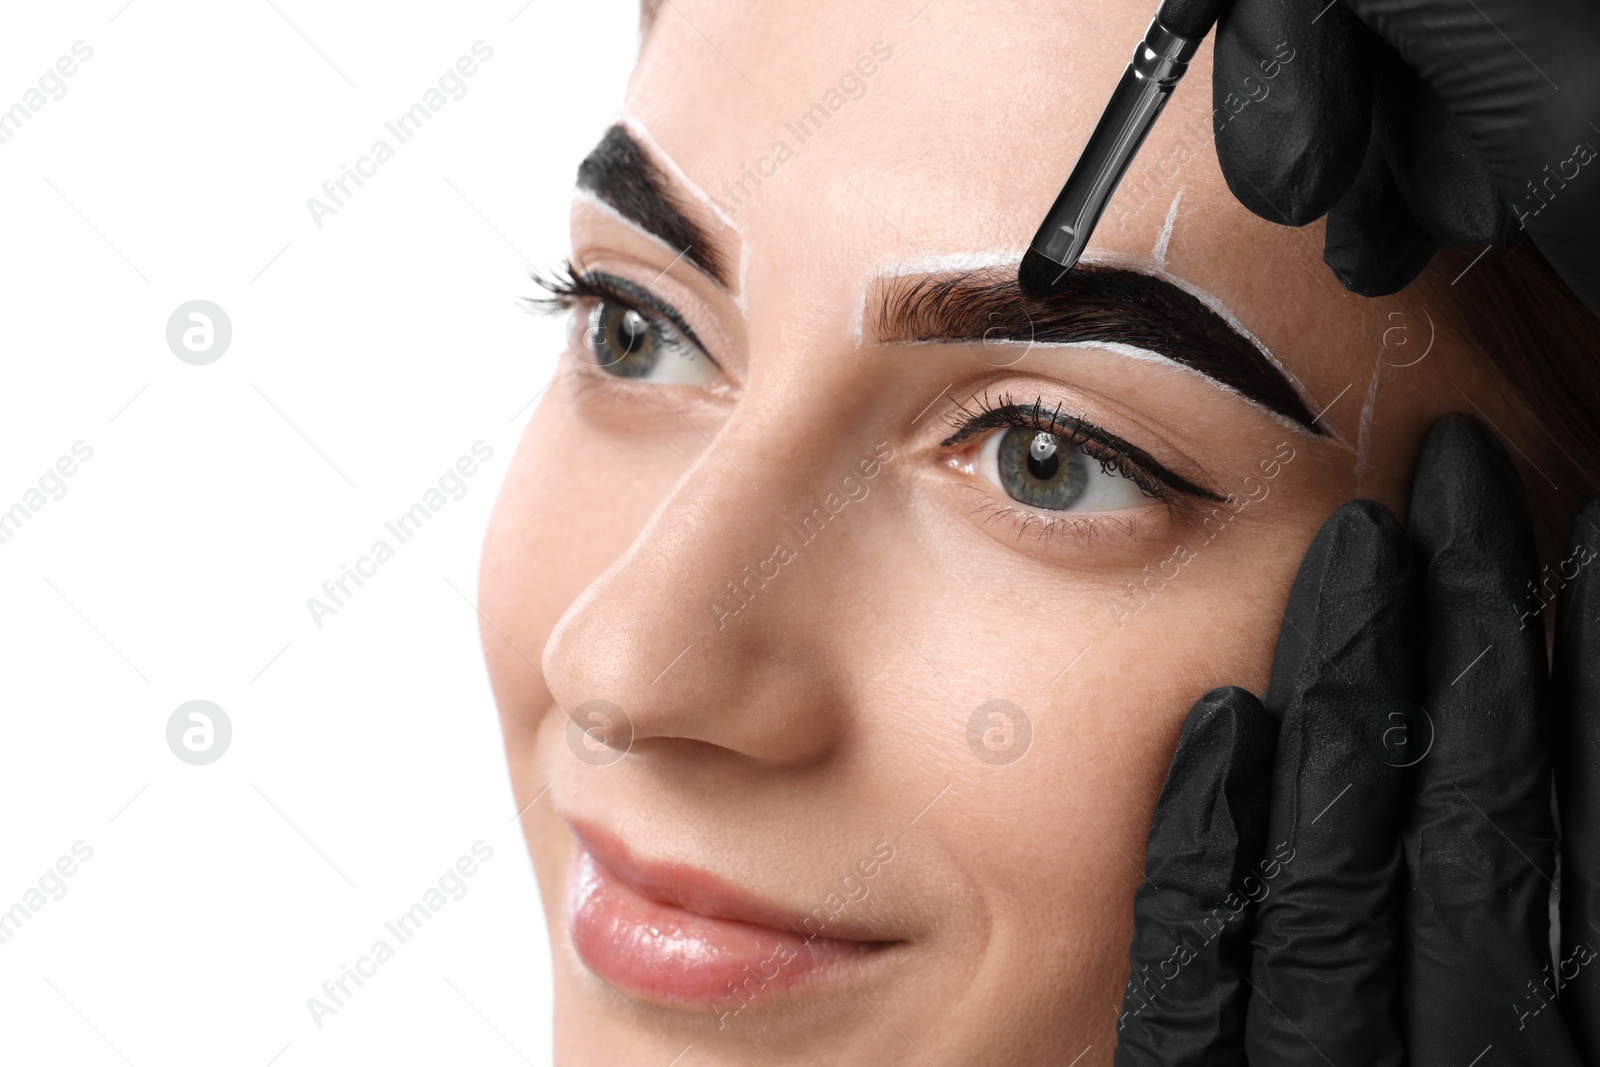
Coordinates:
column 677, row 934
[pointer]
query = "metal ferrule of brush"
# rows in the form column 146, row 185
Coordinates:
column 1158, row 65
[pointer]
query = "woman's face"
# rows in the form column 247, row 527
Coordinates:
column 895, row 589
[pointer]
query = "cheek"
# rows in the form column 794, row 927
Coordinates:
column 1068, row 823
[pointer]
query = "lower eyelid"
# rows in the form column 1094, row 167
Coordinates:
column 1049, row 528
column 991, row 508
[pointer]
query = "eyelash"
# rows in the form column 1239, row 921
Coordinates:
column 568, row 289
column 1115, row 456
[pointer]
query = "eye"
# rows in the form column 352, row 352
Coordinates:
column 1046, row 471
column 629, row 343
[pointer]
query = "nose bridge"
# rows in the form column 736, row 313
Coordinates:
column 690, row 632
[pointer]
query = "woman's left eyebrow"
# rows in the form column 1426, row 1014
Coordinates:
column 619, row 173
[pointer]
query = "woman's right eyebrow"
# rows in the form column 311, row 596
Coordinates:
column 1096, row 304
column 620, row 174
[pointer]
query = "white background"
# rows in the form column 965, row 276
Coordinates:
column 367, row 356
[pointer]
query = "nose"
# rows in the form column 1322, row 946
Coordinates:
column 711, row 626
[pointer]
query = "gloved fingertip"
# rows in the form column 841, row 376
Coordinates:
column 1360, row 536
column 1292, row 120
column 1373, row 243
column 1466, row 488
column 1349, row 595
column 1217, row 781
column 1250, row 733
column 1205, row 839
column 1225, row 714
column 1375, row 256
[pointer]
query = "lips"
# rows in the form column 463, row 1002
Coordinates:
column 677, row 934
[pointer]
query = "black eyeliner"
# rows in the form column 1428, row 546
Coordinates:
column 598, row 285
column 630, row 295
column 1036, row 416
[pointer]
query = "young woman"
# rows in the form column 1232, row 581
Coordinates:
column 843, row 606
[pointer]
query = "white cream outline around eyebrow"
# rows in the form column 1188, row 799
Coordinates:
column 1145, row 355
column 606, row 209
column 1164, row 238
column 1364, row 435
column 978, row 261
column 641, row 133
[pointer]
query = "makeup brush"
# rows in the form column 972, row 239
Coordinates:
column 1159, row 63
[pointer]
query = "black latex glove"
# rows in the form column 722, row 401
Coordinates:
column 1414, row 124
column 1392, row 906
column 1577, row 766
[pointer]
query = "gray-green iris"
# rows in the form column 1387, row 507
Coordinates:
column 1041, row 470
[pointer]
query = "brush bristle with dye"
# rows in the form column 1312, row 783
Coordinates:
column 1038, row 276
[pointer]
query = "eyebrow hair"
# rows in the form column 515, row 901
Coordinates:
column 618, row 172
column 1094, row 303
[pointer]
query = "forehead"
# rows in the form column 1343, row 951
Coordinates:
column 840, row 140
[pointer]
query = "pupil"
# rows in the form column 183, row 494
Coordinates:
column 633, row 330
column 1043, row 458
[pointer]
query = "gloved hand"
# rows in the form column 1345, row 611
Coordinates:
column 1414, row 124
column 1389, row 903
